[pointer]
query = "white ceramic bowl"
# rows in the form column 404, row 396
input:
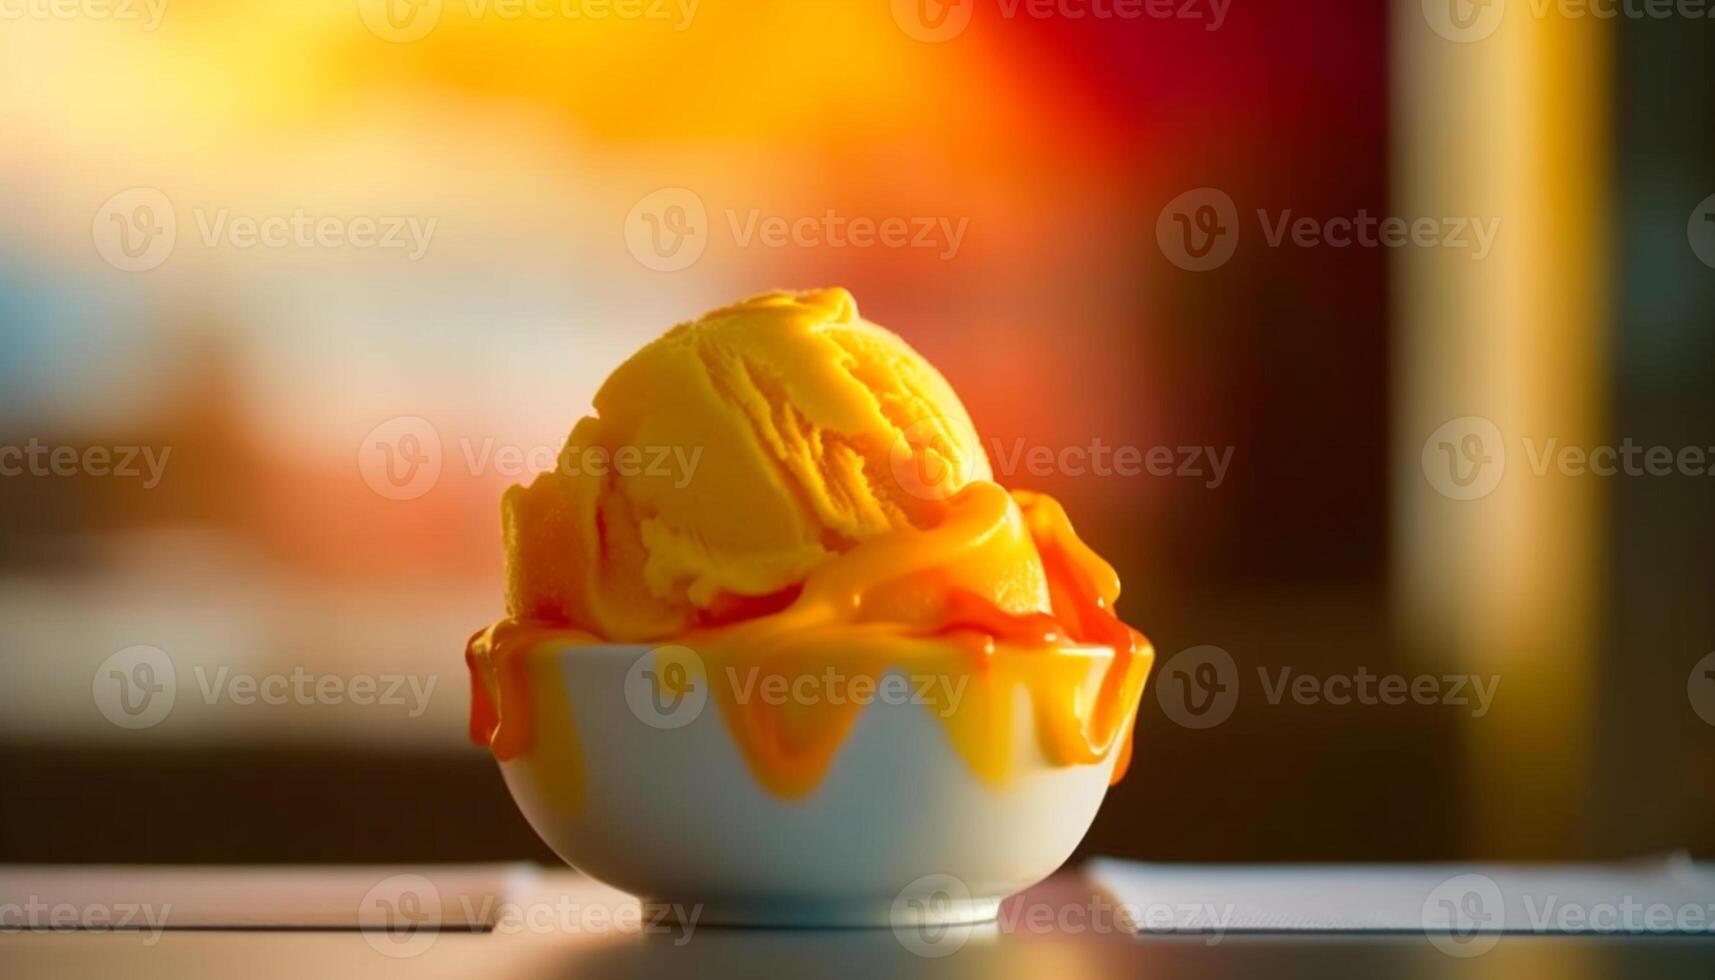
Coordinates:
column 900, row 831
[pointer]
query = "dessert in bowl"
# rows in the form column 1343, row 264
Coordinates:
column 778, row 647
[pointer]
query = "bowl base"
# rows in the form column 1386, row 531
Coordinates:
column 830, row 913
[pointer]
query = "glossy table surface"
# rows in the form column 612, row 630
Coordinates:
column 562, row 925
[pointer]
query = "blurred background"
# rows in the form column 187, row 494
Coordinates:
column 289, row 293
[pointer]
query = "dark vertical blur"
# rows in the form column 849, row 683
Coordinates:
column 1656, row 771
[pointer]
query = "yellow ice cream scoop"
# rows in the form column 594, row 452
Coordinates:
column 783, row 490
column 727, row 460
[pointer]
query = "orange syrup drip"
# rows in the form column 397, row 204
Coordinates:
column 967, row 644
